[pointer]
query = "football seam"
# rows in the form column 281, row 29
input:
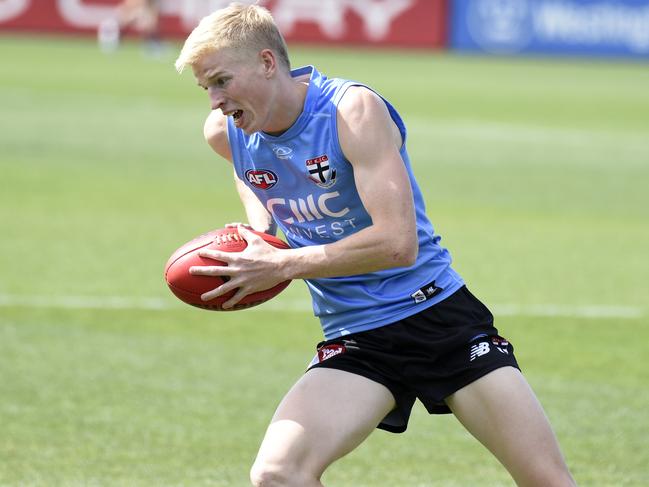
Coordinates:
column 230, row 237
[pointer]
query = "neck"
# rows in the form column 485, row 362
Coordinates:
column 291, row 97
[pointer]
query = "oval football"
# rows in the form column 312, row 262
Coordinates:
column 189, row 288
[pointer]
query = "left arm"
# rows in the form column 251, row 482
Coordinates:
column 371, row 142
column 258, row 216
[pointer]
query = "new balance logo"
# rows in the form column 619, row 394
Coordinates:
column 479, row 350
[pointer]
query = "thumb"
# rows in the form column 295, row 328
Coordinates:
column 247, row 234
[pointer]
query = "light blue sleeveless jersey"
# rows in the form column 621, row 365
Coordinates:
column 307, row 184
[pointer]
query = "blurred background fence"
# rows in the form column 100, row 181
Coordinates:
column 557, row 27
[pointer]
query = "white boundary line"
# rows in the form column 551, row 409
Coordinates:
column 295, row 305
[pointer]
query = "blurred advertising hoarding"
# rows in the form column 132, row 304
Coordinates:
column 577, row 27
column 406, row 23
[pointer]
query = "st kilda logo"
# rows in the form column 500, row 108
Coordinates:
column 320, row 172
column 261, row 178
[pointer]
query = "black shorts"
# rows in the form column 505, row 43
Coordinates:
column 427, row 356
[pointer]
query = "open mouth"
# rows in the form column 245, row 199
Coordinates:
column 237, row 114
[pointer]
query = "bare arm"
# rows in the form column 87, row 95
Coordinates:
column 216, row 135
column 215, row 132
column 258, row 217
column 371, row 141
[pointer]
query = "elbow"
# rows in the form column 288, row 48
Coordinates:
column 404, row 254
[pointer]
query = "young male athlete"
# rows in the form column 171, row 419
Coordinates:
column 325, row 160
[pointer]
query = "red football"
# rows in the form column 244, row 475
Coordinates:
column 189, row 288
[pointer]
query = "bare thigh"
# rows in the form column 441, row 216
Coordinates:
column 502, row 412
column 323, row 417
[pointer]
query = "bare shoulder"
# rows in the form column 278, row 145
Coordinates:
column 360, row 103
column 215, row 131
column 364, row 121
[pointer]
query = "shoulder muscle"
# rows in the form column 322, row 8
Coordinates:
column 363, row 120
column 215, row 132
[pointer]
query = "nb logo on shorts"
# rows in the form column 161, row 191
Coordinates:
column 479, row 350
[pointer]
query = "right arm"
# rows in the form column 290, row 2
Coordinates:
column 216, row 135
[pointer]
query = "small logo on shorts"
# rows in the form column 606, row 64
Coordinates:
column 426, row 292
column 329, row 351
column 501, row 344
column 478, row 350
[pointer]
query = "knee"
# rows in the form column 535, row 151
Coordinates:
column 277, row 475
column 266, row 476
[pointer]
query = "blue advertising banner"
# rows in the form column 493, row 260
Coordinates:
column 580, row 27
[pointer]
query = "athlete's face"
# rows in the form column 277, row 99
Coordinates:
column 237, row 84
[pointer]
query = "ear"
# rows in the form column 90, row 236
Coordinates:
column 268, row 61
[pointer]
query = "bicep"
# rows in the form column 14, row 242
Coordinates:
column 371, row 142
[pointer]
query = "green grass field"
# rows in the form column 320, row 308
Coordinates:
column 535, row 172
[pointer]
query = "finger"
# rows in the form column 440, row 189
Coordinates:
column 215, row 293
column 215, row 255
column 247, row 234
column 238, row 296
column 237, row 224
column 211, row 270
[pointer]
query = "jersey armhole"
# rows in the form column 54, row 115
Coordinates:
column 394, row 115
column 334, row 117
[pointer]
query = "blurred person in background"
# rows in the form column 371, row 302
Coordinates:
column 325, row 160
column 143, row 16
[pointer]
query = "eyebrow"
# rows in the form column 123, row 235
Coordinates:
column 212, row 76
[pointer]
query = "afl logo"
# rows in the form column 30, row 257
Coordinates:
column 261, row 178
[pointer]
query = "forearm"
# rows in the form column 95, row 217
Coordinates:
column 258, row 217
column 366, row 251
column 261, row 221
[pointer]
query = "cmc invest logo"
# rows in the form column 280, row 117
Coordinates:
column 500, row 26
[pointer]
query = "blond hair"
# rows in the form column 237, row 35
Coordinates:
column 239, row 26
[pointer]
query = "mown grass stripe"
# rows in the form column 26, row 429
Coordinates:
column 161, row 304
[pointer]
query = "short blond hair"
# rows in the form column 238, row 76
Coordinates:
column 236, row 26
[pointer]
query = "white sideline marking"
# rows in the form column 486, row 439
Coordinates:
column 160, row 304
column 526, row 132
column 84, row 302
column 555, row 310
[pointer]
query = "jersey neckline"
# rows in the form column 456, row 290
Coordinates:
column 305, row 115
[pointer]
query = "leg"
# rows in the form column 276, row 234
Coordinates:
column 502, row 412
column 323, row 417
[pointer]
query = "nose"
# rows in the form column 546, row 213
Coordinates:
column 217, row 99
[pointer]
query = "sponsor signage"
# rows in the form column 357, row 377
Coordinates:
column 580, row 27
column 409, row 23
